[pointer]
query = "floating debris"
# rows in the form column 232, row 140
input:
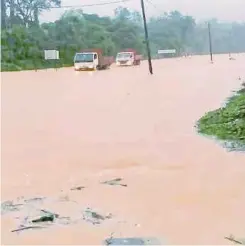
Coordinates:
column 231, row 238
column 34, row 199
column 48, row 212
column 131, row 241
column 114, row 182
column 33, row 216
column 46, row 217
column 23, row 228
column 65, row 221
column 10, row 206
column 78, row 188
column 42, row 217
column 28, row 228
column 93, row 217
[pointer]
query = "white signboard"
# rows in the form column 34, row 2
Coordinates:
column 51, row 55
column 166, row 51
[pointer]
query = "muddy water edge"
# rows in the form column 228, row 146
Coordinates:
column 115, row 153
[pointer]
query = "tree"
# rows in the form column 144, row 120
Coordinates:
column 172, row 31
column 3, row 14
column 27, row 11
column 24, row 40
column 126, row 30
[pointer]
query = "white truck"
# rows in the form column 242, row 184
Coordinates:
column 128, row 57
column 92, row 59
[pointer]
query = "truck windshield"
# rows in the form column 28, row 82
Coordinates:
column 124, row 55
column 84, row 57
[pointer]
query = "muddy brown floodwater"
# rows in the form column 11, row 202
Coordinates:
column 65, row 129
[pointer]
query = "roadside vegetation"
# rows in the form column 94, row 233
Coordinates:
column 24, row 38
column 227, row 123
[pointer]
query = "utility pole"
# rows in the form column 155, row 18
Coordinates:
column 230, row 49
column 210, row 42
column 146, row 37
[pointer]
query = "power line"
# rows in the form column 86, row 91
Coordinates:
column 89, row 5
column 151, row 3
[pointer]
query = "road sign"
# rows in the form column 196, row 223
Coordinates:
column 173, row 51
column 51, row 55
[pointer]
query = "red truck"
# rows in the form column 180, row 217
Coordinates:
column 128, row 57
column 92, row 59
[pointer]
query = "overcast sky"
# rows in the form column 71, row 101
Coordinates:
column 224, row 10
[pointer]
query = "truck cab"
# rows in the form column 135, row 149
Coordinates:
column 125, row 58
column 86, row 61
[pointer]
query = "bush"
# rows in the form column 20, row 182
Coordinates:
column 10, row 67
column 226, row 123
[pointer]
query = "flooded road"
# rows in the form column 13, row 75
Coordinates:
column 65, row 129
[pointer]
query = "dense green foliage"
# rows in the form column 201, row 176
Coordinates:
column 228, row 122
column 24, row 39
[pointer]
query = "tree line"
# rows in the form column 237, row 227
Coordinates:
column 24, row 39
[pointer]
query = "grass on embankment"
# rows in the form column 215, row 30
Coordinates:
column 227, row 123
column 29, row 65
